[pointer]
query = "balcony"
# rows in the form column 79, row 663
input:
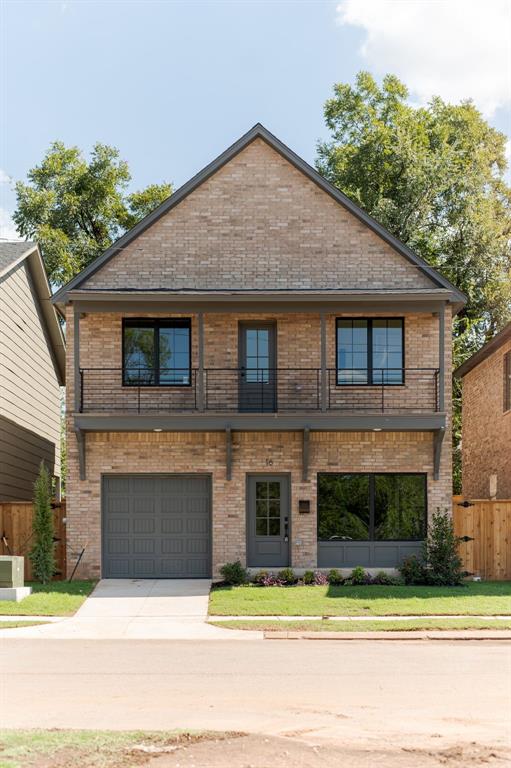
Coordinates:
column 257, row 391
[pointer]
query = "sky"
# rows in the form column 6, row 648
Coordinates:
column 171, row 84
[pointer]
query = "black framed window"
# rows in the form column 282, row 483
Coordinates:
column 156, row 352
column 370, row 351
column 372, row 507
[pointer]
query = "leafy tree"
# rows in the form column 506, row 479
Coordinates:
column 42, row 553
column 76, row 208
column 434, row 176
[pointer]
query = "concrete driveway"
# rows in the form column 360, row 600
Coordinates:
column 139, row 609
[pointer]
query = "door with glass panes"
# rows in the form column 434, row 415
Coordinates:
column 268, row 521
column 257, row 368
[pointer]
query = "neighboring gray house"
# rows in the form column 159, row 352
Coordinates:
column 32, row 370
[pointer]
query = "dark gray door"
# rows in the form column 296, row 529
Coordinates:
column 156, row 527
column 268, row 523
column 257, row 362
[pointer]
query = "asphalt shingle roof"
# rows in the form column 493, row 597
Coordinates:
column 10, row 251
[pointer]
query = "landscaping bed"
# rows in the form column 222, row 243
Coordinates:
column 469, row 599
column 266, row 625
column 95, row 749
column 58, row 598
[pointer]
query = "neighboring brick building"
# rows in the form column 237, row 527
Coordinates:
column 486, row 420
column 257, row 371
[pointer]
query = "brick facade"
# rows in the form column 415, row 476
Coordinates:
column 256, row 223
column 486, row 429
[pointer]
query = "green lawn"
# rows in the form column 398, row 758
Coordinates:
column 59, row 598
column 14, row 624
column 91, row 749
column 473, row 598
column 389, row 625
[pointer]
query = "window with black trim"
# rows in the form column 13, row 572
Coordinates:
column 156, row 352
column 370, row 351
column 372, row 507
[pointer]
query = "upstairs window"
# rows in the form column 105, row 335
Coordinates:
column 156, row 352
column 370, row 351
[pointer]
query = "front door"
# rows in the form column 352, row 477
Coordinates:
column 268, row 522
column 257, row 372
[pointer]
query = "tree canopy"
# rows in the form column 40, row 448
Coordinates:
column 433, row 176
column 76, row 208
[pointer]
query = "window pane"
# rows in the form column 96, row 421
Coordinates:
column 352, row 351
column 274, row 490
column 261, row 508
column 174, row 355
column 261, row 489
column 261, row 527
column 139, row 355
column 399, row 507
column 387, row 340
column 274, row 526
column 343, row 507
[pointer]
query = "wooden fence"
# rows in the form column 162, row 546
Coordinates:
column 16, row 533
column 488, row 523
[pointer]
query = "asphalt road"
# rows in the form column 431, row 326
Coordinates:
column 367, row 695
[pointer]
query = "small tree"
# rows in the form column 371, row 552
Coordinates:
column 42, row 554
column 441, row 551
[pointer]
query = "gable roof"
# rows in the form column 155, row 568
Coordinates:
column 260, row 132
column 489, row 348
column 12, row 254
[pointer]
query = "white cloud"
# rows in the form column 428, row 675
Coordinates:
column 7, row 228
column 456, row 49
column 4, row 177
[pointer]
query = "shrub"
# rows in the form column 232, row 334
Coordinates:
column 260, row 576
column 308, row 577
column 384, row 578
column 42, row 553
column 234, row 573
column 359, row 576
column 320, row 578
column 334, row 577
column 444, row 566
column 413, row 571
column 287, row 576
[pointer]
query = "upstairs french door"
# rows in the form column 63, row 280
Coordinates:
column 257, row 367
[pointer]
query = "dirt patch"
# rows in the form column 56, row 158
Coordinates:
column 259, row 751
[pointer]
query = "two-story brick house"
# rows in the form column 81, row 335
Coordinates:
column 258, row 370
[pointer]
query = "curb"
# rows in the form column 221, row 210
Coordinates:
column 462, row 635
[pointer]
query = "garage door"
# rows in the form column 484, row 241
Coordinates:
column 156, row 527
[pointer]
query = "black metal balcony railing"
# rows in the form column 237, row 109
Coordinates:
column 262, row 390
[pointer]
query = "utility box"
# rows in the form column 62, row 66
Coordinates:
column 12, row 571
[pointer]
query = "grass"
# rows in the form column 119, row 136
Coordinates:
column 90, row 749
column 59, row 598
column 266, row 625
column 14, row 624
column 473, row 598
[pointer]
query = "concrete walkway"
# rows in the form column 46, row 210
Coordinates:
column 145, row 609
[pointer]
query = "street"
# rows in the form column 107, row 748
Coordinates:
column 386, row 696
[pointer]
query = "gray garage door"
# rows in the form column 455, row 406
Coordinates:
column 156, row 527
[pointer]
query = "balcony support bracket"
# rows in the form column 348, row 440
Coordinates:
column 305, row 454
column 228, row 453
column 438, row 438
column 80, row 439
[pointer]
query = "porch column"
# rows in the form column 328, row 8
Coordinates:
column 324, row 390
column 76, row 358
column 441, row 358
column 200, row 372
